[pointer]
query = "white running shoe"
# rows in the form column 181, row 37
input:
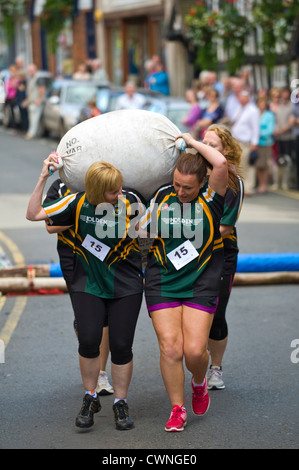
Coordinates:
column 215, row 380
column 104, row 387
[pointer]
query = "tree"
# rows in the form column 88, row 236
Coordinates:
column 53, row 18
column 9, row 10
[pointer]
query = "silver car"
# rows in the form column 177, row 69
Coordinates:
column 64, row 102
column 174, row 108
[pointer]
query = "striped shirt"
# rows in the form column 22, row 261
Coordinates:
column 107, row 261
column 186, row 237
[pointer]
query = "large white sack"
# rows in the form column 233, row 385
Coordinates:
column 141, row 144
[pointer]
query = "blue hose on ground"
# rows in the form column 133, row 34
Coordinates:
column 267, row 262
column 247, row 263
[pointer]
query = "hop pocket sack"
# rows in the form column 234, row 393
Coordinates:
column 141, row 144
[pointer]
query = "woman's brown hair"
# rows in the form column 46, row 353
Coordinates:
column 192, row 164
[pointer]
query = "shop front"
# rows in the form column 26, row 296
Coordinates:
column 132, row 35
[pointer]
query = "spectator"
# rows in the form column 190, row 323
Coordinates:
column 214, row 82
column 233, row 105
column 21, row 101
column 226, row 82
column 264, row 149
column 284, row 138
column 89, row 111
column 98, row 71
column 36, row 90
column 130, row 99
column 275, row 97
column 246, row 130
column 295, row 129
column 245, row 75
column 82, row 73
column 11, row 86
column 158, row 80
column 195, row 112
column 212, row 113
column 19, row 63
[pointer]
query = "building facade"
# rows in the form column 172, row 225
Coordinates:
column 124, row 34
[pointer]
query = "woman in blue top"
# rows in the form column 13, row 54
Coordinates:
column 158, row 81
column 264, row 149
column 211, row 114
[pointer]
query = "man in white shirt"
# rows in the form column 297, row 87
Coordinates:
column 232, row 104
column 246, row 129
column 130, row 99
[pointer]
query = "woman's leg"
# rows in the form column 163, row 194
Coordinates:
column 218, row 337
column 168, row 327
column 196, row 329
column 122, row 319
column 104, row 349
column 89, row 315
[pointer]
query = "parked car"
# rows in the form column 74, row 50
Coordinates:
column 174, row 108
column 64, row 102
column 107, row 98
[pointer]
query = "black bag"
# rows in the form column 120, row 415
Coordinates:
column 253, row 156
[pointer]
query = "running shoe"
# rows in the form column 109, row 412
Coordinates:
column 215, row 379
column 121, row 416
column 200, row 398
column 90, row 406
column 103, row 386
column 177, row 420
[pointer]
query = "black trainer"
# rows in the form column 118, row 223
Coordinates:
column 90, row 406
column 121, row 416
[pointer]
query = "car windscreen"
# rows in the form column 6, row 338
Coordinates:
column 80, row 94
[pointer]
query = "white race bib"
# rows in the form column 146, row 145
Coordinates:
column 97, row 248
column 183, row 255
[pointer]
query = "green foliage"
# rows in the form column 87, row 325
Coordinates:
column 9, row 10
column 202, row 30
column 233, row 30
column 53, row 17
column 276, row 18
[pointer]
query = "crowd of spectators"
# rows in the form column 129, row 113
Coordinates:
column 265, row 122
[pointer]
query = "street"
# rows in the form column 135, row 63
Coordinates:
column 40, row 384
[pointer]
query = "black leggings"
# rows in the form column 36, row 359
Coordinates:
column 219, row 330
column 91, row 315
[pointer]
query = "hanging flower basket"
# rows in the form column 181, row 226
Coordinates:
column 233, row 30
column 201, row 30
column 53, row 17
column 277, row 20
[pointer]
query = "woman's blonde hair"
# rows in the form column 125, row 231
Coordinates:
column 100, row 178
column 233, row 154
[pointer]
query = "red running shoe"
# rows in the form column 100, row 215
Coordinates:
column 200, row 398
column 177, row 420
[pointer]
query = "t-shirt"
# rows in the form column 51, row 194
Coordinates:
column 186, row 237
column 232, row 207
column 107, row 260
column 137, row 101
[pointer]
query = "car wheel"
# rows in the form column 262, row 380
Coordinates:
column 42, row 131
column 63, row 129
